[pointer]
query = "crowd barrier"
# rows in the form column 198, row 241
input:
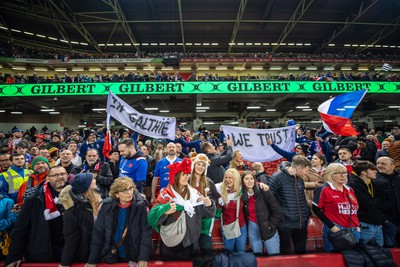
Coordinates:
column 308, row 260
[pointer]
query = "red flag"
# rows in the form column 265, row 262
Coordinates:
column 107, row 147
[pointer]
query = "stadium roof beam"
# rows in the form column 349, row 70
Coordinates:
column 267, row 11
column 296, row 16
column 151, row 8
column 385, row 31
column 69, row 15
column 349, row 21
column 181, row 23
column 239, row 16
column 56, row 21
column 114, row 4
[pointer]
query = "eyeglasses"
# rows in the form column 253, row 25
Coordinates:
column 340, row 173
column 58, row 174
column 128, row 190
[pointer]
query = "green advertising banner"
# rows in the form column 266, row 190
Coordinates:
column 217, row 87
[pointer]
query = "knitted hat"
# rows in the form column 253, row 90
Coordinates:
column 201, row 158
column 81, row 182
column 53, row 150
column 184, row 166
column 40, row 136
column 37, row 159
column 15, row 130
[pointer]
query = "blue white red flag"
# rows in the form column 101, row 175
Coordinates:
column 336, row 112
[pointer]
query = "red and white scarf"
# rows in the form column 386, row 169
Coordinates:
column 51, row 211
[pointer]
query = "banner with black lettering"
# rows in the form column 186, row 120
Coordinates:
column 252, row 143
column 149, row 125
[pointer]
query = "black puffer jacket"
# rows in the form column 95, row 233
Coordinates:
column 369, row 256
column 390, row 185
column 289, row 192
column 370, row 207
column 78, row 225
column 268, row 212
column 31, row 234
column 138, row 242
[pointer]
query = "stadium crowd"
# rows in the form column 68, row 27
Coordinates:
column 70, row 197
column 15, row 51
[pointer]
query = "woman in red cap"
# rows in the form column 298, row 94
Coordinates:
column 177, row 213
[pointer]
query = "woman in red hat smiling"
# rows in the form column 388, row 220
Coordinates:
column 177, row 213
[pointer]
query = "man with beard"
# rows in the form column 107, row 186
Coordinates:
column 41, row 168
column 37, row 234
column 133, row 164
column 5, row 162
column 9, row 145
column 288, row 187
column 66, row 162
column 14, row 177
column 388, row 179
column 162, row 172
column 100, row 170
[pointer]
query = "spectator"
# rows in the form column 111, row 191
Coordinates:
column 66, row 162
column 151, row 165
column 198, row 179
column 161, row 172
column 100, row 170
column 263, row 215
column 81, row 205
column 113, row 162
column 389, row 181
column 394, row 151
column 288, row 188
column 176, row 200
column 237, row 162
column 122, row 219
column 41, row 168
column 12, row 179
column 133, row 163
column 8, row 216
column 216, row 170
column 369, row 197
column 37, row 234
column 91, row 142
column 336, row 204
column 5, row 162
column 384, row 152
column 260, row 174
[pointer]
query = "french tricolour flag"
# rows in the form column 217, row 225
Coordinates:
column 336, row 112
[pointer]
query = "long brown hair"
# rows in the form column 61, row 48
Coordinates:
column 185, row 193
column 203, row 181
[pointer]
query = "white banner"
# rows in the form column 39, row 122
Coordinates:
column 252, row 143
column 149, row 125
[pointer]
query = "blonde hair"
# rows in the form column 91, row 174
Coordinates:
column 94, row 199
column 256, row 166
column 237, row 184
column 233, row 163
column 119, row 185
column 334, row 167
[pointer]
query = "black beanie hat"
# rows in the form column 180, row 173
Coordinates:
column 81, row 182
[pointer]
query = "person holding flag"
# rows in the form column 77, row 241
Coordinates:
column 177, row 213
column 336, row 112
